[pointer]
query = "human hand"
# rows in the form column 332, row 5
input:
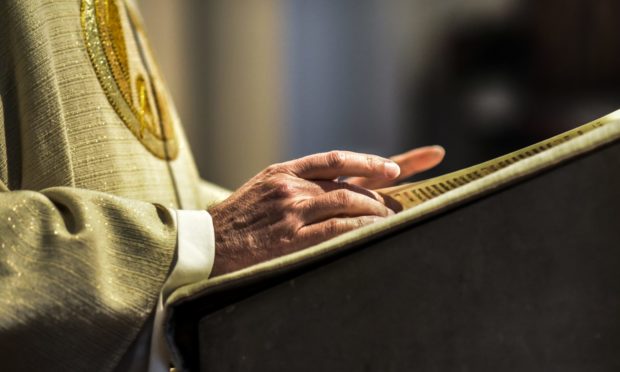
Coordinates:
column 296, row 204
column 411, row 162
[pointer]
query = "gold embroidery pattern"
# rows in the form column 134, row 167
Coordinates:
column 113, row 41
column 148, row 119
column 145, row 114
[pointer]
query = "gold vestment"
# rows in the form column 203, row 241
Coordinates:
column 91, row 151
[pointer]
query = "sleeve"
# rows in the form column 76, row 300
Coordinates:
column 195, row 256
column 80, row 274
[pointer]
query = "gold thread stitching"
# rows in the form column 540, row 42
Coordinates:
column 112, row 70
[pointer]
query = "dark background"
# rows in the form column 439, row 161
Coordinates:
column 262, row 81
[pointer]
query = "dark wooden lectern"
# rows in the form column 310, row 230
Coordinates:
column 523, row 279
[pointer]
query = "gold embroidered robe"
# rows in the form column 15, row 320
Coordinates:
column 90, row 152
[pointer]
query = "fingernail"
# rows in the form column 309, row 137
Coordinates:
column 392, row 170
column 439, row 150
column 391, row 212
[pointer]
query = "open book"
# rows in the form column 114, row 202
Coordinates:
column 429, row 197
column 420, row 200
column 411, row 195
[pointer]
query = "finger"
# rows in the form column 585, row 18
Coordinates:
column 388, row 201
column 340, row 203
column 327, row 186
column 419, row 160
column 319, row 232
column 334, row 164
column 411, row 163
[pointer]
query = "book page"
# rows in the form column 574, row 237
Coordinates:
column 412, row 194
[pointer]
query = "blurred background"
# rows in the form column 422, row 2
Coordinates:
column 262, row 81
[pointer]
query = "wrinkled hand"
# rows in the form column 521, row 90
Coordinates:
column 293, row 205
column 296, row 204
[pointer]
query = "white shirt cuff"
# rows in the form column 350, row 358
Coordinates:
column 195, row 256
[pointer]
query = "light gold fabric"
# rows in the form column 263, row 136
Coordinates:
column 85, row 243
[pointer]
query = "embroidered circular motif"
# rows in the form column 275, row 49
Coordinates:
column 132, row 85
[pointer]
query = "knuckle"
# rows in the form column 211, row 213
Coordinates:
column 310, row 206
column 361, row 222
column 343, row 197
column 283, row 189
column 295, row 223
column 332, row 227
column 274, row 169
column 291, row 225
column 293, row 214
column 302, row 206
column 335, row 159
column 370, row 220
column 372, row 162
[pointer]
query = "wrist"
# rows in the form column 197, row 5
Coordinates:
column 223, row 261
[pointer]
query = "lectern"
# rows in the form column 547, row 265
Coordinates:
column 521, row 276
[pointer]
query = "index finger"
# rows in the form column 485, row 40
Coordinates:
column 419, row 160
column 334, row 164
